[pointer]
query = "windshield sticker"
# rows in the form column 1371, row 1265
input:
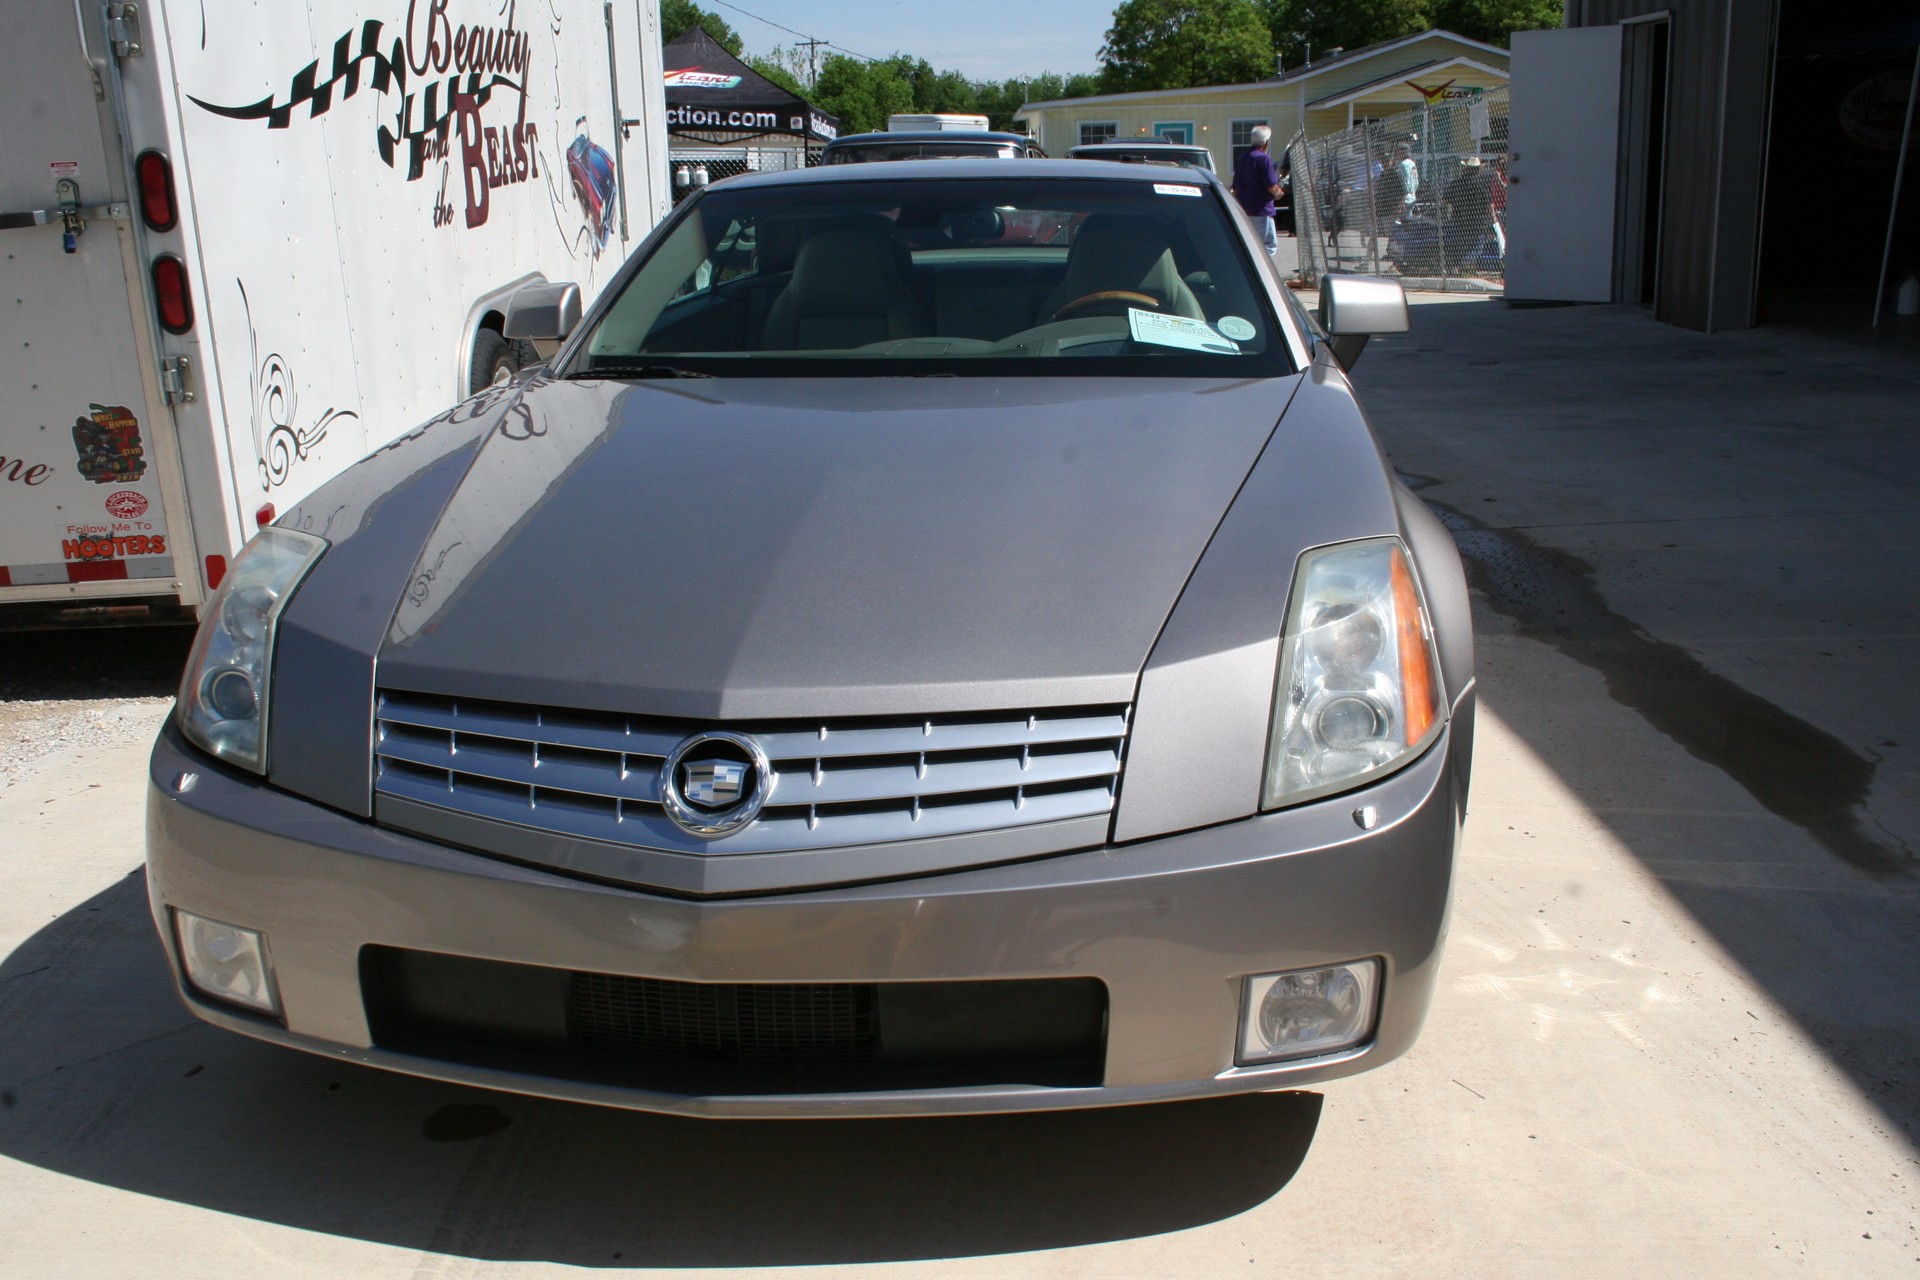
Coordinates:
column 1236, row 328
column 1169, row 189
column 1177, row 331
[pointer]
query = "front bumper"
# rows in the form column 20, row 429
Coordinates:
column 1170, row 926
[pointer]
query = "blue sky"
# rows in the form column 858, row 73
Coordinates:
column 983, row 39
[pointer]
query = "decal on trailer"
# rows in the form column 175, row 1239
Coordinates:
column 128, row 504
column 20, row 471
column 276, row 400
column 590, row 169
column 445, row 77
column 108, row 442
column 103, row 546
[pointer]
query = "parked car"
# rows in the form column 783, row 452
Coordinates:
column 1146, row 151
column 882, row 665
column 861, row 148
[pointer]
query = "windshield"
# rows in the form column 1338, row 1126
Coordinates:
column 1000, row 275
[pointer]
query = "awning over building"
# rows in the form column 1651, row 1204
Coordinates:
column 715, row 97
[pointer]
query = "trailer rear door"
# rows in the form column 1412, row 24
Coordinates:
column 82, row 514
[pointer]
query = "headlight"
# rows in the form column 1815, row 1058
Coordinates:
column 1358, row 689
column 224, row 695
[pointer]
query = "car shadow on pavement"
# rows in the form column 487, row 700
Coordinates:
column 104, row 1077
column 109, row 662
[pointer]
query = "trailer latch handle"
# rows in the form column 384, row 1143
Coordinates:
column 71, row 225
column 118, row 211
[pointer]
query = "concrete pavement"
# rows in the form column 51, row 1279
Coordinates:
column 1675, row 1032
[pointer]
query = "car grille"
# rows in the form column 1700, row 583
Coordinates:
column 820, row 1022
column 838, row 783
column 701, row 1038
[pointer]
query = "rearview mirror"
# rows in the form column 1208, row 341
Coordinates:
column 1354, row 308
column 544, row 314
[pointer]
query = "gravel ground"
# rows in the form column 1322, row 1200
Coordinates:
column 66, row 691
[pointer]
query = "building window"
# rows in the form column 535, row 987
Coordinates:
column 1174, row 132
column 1092, row 131
column 1242, row 138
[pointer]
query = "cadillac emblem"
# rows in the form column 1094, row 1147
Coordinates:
column 714, row 783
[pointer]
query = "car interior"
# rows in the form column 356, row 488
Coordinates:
column 944, row 276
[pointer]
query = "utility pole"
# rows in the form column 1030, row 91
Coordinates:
column 813, row 58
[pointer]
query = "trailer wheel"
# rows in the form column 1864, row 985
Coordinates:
column 497, row 360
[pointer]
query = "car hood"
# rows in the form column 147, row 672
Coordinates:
column 769, row 548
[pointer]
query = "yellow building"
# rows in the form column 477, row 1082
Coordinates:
column 1339, row 89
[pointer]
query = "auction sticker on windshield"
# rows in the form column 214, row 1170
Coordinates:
column 1177, row 331
column 1174, row 189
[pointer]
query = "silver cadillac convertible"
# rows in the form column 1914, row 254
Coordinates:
column 933, row 638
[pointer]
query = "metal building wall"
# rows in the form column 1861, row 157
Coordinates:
column 1720, row 88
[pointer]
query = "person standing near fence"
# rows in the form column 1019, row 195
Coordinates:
column 1466, row 215
column 1409, row 174
column 1256, row 186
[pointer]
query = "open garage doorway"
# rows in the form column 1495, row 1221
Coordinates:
column 1843, row 75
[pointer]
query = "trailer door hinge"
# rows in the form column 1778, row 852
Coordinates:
column 123, row 29
column 176, row 379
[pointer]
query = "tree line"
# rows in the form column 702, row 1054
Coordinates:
column 1152, row 44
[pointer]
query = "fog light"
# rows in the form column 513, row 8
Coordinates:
column 1308, row 1012
column 227, row 963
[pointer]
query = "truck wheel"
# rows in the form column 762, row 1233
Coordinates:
column 497, row 360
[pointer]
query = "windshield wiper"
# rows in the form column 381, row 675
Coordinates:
column 637, row 371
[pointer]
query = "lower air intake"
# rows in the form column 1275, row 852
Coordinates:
column 721, row 1038
column 795, row 1024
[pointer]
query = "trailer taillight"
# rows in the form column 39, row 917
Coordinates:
column 171, row 295
column 157, row 207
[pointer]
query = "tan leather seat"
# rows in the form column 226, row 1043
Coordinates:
column 1117, row 252
column 846, row 291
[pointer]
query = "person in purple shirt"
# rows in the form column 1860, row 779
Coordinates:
column 1256, row 185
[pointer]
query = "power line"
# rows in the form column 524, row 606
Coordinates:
column 790, row 31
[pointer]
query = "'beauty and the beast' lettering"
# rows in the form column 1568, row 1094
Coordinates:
column 443, row 75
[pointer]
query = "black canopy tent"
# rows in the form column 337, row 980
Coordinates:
column 714, row 97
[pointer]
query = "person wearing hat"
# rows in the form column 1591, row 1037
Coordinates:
column 1257, row 181
column 1466, row 211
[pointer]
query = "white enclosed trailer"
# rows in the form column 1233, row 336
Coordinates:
column 245, row 242
column 936, row 124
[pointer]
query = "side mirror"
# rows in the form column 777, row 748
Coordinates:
column 1354, row 308
column 543, row 313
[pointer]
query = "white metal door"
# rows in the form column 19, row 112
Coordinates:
column 81, row 509
column 1564, row 145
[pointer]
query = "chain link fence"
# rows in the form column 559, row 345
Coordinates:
column 686, row 165
column 1420, row 196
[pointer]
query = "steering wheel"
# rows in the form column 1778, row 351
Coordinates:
column 1108, row 298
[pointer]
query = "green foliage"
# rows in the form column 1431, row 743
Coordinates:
column 677, row 17
column 1351, row 24
column 998, row 102
column 1177, row 44
column 862, row 94
column 1297, row 26
column 775, row 68
column 1495, row 21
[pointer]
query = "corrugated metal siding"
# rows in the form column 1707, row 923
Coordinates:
column 1720, row 58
